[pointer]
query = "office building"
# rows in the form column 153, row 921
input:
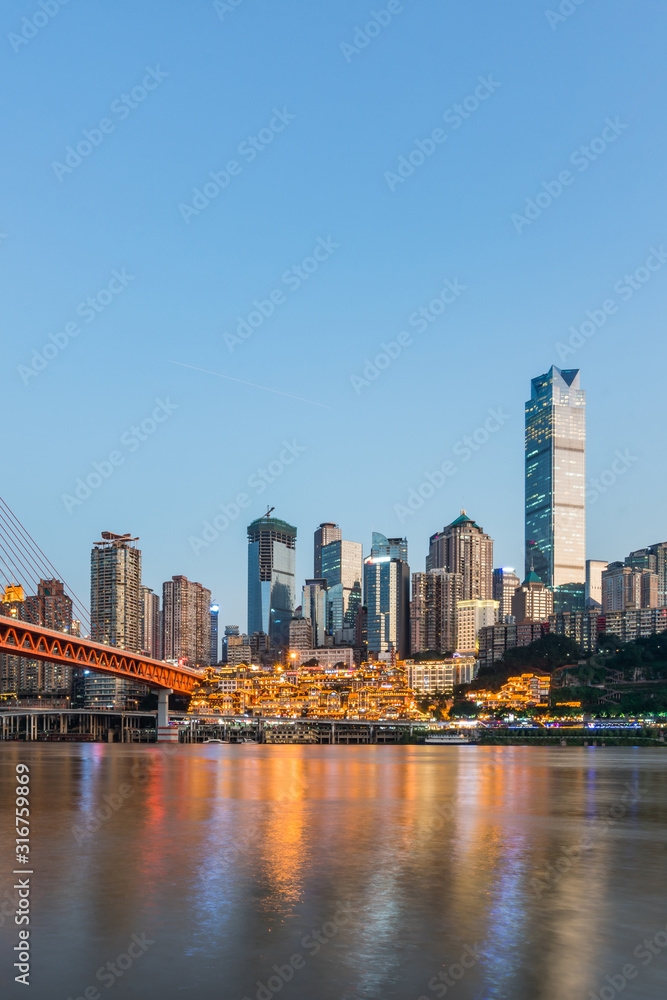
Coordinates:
column 314, row 607
column 326, row 533
column 505, row 582
column 151, row 640
column 214, row 654
column 593, row 593
column 271, row 578
column 463, row 547
column 387, row 596
column 435, row 596
column 342, row 568
column 471, row 617
column 555, row 485
column 186, row 622
column 532, row 601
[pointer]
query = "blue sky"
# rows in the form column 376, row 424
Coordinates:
column 332, row 125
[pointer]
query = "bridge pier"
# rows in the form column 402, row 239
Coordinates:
column 165, row 732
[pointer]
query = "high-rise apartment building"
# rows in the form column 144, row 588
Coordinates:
column 342, row 568
column 271, row 578
column 433, row 611
column 115, row 591
column 505, row 582
column 115, row 615
column 326, row 533
column 532, row 601
column 238, row 650
column 387, row 596
column 52, row 608
column 186, row 622
column 653, row 557
column 151, row 642
column 214, row 654
column 625, row 588
column 300, row 634
column 463, row 547
column 231, row 632
column 555, row 509
column 314, row 607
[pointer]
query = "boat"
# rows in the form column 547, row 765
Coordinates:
column 450, row 739
column 214, row 741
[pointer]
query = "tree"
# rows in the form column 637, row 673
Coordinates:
column 548, row 653
column 464, row 710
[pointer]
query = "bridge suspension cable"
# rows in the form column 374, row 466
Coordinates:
column 26, row 564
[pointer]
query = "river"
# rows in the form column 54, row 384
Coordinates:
column 220, row 872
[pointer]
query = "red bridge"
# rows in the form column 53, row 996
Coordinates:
column 18, row 638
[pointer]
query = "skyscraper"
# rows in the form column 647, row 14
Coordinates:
column 271, row 578
column 505, row 582
column 52, row 608
column 654, row 557
column 387, row 596
column 186, row 621
column 314, row 607
column 342, row 568
column 326, row 533
column 463, row 547
column 214, row 653
column 151, row 643
column 555, row 452
column 471, row 618
column 232, row 632
column 626, row 588
column 433, row 611
column 115, row 614
column 115, row 591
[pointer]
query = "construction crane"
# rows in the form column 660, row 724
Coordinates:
column 269, row 510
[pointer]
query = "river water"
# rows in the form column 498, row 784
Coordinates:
column 339, row 873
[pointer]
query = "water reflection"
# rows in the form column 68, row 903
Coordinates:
column 391, row 872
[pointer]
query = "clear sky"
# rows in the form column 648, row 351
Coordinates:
column 303, row 111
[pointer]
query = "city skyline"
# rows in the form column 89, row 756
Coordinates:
column 228, row 521
column 525, row 306
column 333, row 562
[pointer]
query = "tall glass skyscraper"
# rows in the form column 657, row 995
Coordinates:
column 271, row 578
column 342, row 568
column 215, row 614
column 387, row 596
column 327, row 532
column 556, row 483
